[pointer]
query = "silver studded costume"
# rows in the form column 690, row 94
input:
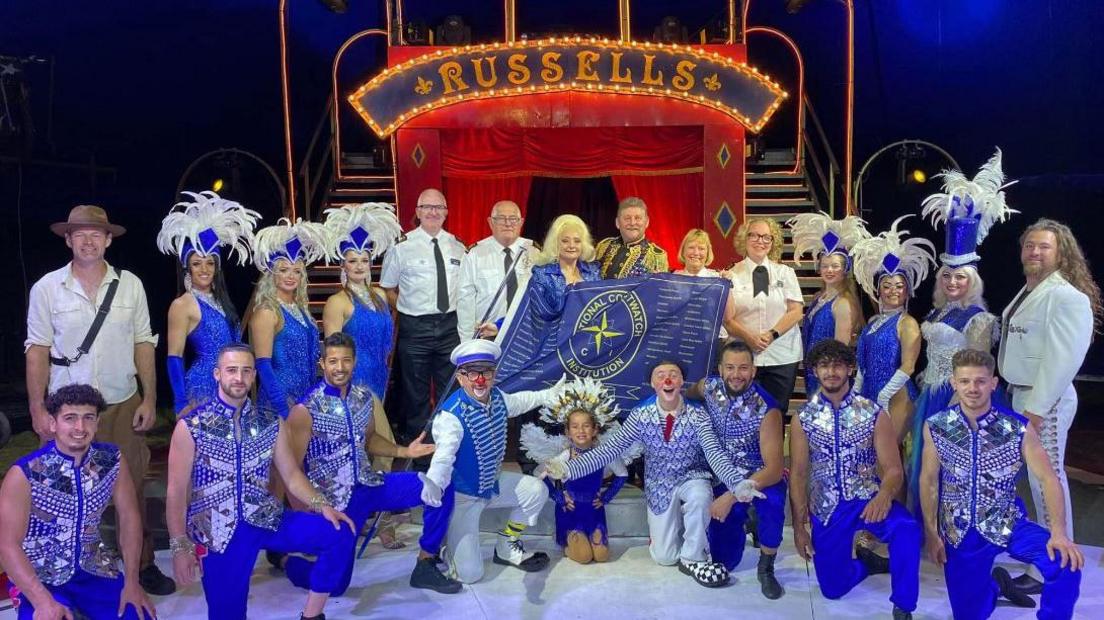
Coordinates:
column 337, row 458
column 233, row 459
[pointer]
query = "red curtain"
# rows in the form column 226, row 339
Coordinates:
column 570, row 151
column 470, row 201
column 674, row 206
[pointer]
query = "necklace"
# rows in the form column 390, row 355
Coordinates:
column 295, row 311
column 362, row 294
column 210, row 300
column 883, row 316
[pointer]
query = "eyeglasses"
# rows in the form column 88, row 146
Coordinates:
column 504, row 219
column 763, row 238
column 434, row 207
column 472, row 374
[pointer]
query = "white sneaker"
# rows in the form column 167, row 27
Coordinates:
column 510, row 551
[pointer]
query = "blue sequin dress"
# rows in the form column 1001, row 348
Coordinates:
column 819, row 324
column 372, row 330
column 295, row 353
column 213, row 332
column 879, row 355
column 550, row 287
column 585, row 517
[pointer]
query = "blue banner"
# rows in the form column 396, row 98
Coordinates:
column 616, row 331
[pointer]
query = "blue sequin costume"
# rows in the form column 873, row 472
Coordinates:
column 585, row 517
column 549, row 287
column 980, row 516
column 213, row 332
column 295, row 353
column 818, row 324
column 372, row 330
column 879, row 355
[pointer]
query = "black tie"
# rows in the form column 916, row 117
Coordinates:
column 760, row 281
column 511, row 275
column 442, row 281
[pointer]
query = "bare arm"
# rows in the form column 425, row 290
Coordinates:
column 299, row 434
column 799, row 489
column 929, row 499
column 696, row 391
column 38, row 379
column 909, row 332
column 794, row 311
column 15, row 512
column 130, row 521
column 770, row 446
column 178, row 491
column 146, row 414
column 392, row 296
column 183, row 318
column 262, row 331
column 843, row 314
column 335, row 313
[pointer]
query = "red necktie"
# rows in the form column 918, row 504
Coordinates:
column 668, row 427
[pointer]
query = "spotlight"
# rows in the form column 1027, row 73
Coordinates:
column 919, row 176
column 793, row 6
column 910, row 152
column 670, row 30
column 453, row 31
column 337, row 6
column 416, row 32
column 217, row 185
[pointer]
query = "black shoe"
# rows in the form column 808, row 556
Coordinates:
column 153, row 581
column 874, row 563
column 427, row 577
column 1028, row 585
column 706, row 573
column 276, row 559
column 751, row 526
column 536, row 562
column 901, row 614
column 1009, row 590
column 767, row 583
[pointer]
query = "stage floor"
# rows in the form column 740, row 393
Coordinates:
column 629, row 586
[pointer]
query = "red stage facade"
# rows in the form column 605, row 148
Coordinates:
column 659, row 138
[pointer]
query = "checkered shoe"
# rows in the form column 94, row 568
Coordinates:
column 706, row 573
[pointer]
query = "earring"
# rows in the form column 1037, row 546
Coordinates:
column 188, row 282
column 344, row 278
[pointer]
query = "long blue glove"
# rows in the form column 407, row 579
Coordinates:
column 615, row 486
column 272, row 386
column 176, row 380
column 556, row 495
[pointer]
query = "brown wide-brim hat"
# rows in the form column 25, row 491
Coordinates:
column 87, row 216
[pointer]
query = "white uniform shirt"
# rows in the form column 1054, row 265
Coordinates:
column 410, row 266
column 760, row 313
column 481, row 273
column 59, row 315
column 706, row 272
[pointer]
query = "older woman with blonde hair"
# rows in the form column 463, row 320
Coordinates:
column 567, row 258
column 696, row 255
column 768, row 307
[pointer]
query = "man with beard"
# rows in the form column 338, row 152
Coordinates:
column 973, row 453
column 1046, row 332
column 748, row 425
column 838, row 443
column 51, row 503
column 218, row 497
column 333, row 432
column 680, row 447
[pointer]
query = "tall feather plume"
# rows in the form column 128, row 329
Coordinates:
column 232, row 224
column 809, row 230
column 539, row 445
column 981, row 197
column 378, row 218
column 272, row 240
column 581, row 393
column 916, row 255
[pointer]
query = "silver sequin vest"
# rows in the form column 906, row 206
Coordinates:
column 230, row 475
column 978, row 469
column 736, row 421
column 336, row 457
column 67, row 503
column 842, row 458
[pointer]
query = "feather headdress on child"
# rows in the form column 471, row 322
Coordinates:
column 889, row 254
column 968, row 208
column 204, row 224
column 582, row 393
column 305, row 241
column 816, row 234
column 370, row 227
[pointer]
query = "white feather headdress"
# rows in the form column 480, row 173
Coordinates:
column 817, row 233
column 968, row 208
column 583, row 393
column 205, row 223
column 368, row 227
column 305, row 241
column 890, row 254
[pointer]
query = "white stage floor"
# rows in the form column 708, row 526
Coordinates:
column 629, row 586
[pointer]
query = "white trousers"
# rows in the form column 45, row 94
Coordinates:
column 525, row 494
column 1056, row 425
column 687, row 515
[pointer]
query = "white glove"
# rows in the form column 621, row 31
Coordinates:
column 431, row 493
column 556, row 469
column 549, row 394
column 747, row 490
column 896, row 382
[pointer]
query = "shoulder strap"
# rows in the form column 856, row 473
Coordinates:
column 94, row 329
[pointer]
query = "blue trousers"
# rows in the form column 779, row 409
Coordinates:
column 94, row 596
column 226, row 575
column 399, row 491
column 973, row 592
column 837, row 572
column 727, row 539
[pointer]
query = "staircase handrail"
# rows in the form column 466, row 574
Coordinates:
column 833, row 165
column 311, row 182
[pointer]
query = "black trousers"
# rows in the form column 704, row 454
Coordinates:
column 778, row 381
column 423, row 348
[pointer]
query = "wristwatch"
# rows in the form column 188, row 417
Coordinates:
column 774, row 334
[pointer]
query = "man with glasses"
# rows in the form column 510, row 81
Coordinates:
column 485, row 266
column 630, row 254
column 470, row 434
column 420, row 275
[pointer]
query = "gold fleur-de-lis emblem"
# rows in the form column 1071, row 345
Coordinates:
column 424, row 86
column 713, row 82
